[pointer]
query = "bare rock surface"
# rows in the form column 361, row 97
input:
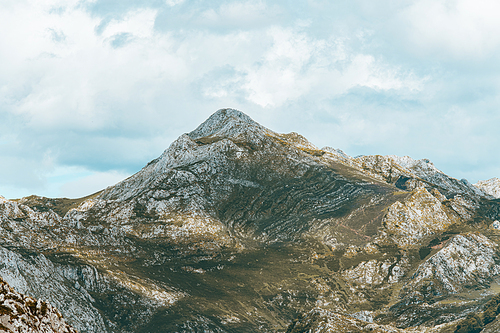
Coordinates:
column 467, row 260
column 490, row 186
column 324, row 321
column 21, row 313
column 418, row 216
column 492, row 327
column 35, row 275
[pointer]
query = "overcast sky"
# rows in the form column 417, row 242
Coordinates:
column 92, row 90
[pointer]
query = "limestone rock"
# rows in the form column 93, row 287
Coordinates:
column 490, row 186
column 418, row 216
column 20, row 313
column 374, row 273
column 426, row 170
column 324, row 321
column 467, row 260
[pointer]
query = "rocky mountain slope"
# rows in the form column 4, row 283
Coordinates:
column 236, row 228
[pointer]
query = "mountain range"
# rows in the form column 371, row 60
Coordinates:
column 237, row 228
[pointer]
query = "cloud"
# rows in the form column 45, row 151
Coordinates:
column 218, row 16
column 138, row 23
column 104, row 86
column 296, row 64
column 461, row 29
column 242, row 14
column 89, row 183
column 172, row 3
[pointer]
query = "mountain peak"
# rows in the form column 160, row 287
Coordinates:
column 226, row 123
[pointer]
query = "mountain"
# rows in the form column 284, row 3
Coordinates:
column 237, row 228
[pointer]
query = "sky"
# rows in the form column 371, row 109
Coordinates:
column 92, row 90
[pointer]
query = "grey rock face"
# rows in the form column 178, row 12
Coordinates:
column 23, row 226
column 467, row 262
column 324, row 321
column 493, row 327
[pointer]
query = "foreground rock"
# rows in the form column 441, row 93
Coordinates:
column 20, row 313
column 467, row 261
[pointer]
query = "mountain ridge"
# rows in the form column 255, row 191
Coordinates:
column 236, row 228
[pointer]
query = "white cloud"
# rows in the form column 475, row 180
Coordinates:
column 173, row 3
column 139, row 23
column 297, row 64
column 72, row 77
column 239, row 14
column 463, row 29
column 98, row 91
column 79, row 84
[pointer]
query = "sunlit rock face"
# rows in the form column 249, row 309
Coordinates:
column 27, row 227
column 466, row 261
column 426, row 170
column 490, row 186
column 407, row 173
column 440, row 287
column 418, row 216
column 237, row 228
column 21, row 313
column 376, row 273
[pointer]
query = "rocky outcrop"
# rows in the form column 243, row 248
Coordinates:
column 425, row 169
column 466, row 261
column 375, row 273
column 325, row 321
column 407, row 173
column 490, row 186
column 20, row 225
column 35, row 275
column 384, row 167
column 492, row 327
column 441, row 289
column 20, row 313
column 76, row 289
column 418, row 216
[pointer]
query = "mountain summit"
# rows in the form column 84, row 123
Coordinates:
column 227, row 123
column 236, row 228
